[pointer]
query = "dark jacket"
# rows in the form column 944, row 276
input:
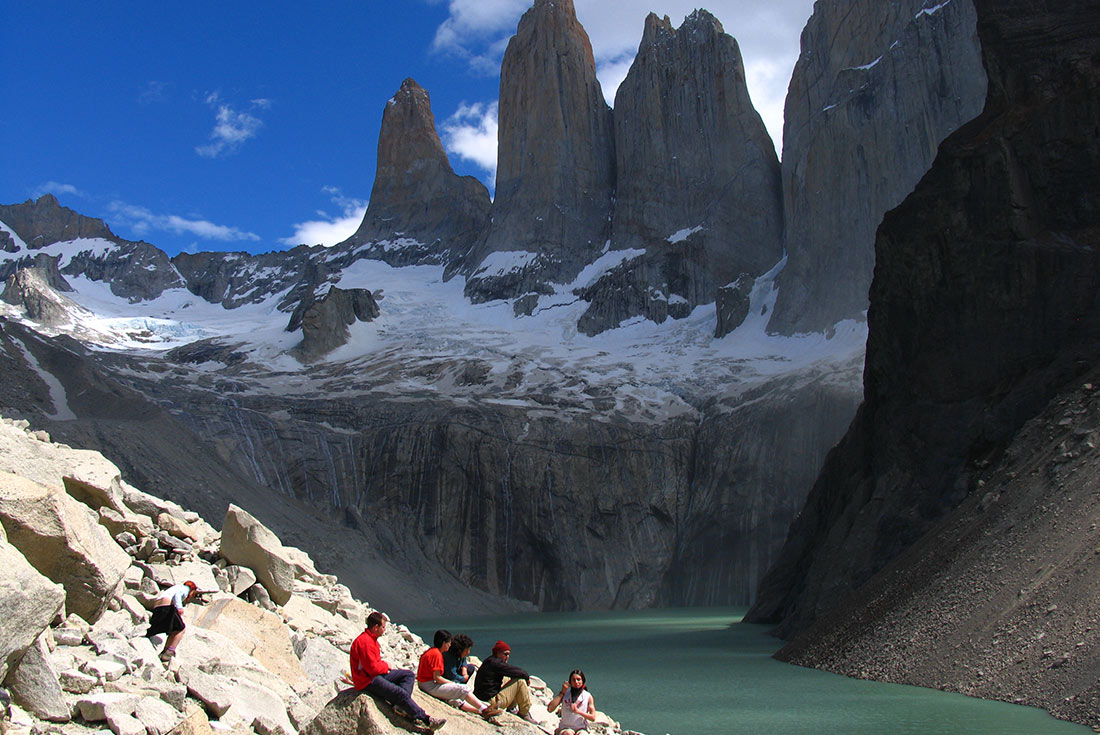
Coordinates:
column 490, row 677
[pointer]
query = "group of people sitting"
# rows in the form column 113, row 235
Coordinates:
column 444, row 672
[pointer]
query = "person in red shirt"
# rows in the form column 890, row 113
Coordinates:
column 429, row 677
column 369, row 673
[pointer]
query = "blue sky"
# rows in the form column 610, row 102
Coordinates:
column 253, row 125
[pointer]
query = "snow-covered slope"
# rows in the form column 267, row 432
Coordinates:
column 649, row 369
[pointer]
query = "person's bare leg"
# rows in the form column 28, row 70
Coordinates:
column 171, row 642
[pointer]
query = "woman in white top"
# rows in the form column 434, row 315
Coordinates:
column 167, row 616
column 578, row 707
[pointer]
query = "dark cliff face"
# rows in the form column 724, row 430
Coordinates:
column 420, row 211
column 556, row 160
column 876, row 88
column 698, row 179
column 984, row 304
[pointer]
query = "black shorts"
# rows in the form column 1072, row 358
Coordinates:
column 165, row 619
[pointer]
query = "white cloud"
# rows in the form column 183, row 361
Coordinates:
column 231, row 127
column 143, row 221
column 768, row 34
column 56, row 188
column 472, row 134
column 331, row 228
column 153, row 93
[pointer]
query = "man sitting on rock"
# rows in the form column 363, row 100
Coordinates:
column 489, row 685
column 371, row 674
column 167, row 616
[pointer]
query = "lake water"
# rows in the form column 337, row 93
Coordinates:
column 691, row 671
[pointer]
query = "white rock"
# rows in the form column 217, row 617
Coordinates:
column 34, row 685
column 258, row 633
column 240, row 578
column 305, row 617
column 93, row 707
column 177, row 527
column 158, row 716
column 248, row 543
column 61, row 538
column 198, row 572
column 122, row 723
column 105, row 669
column 28, row 602
column 77, row 682
column 68, row 636
column 213, row 691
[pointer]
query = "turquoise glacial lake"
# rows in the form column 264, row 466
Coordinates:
column 700, row 671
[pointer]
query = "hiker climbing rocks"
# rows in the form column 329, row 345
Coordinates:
column 167, row 616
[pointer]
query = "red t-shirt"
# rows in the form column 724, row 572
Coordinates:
column 430, row 662
column 366, row 660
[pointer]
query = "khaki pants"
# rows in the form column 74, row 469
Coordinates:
column 514, row 692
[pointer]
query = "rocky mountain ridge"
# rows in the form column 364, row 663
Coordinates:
column 266, row 645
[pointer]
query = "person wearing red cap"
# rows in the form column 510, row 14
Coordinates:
column 167, row 616
column 489, row 684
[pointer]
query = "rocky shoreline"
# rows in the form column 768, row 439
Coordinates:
column 266, row 646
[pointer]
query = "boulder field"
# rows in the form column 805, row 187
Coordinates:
column 85, row 554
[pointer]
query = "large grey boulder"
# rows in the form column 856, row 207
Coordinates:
column 258, row 633
column 28, row 603
column 35, row 685
column 876, row 88
column 420, row 210
column 242, row 697
column 698, row 179
column 556, row 160
column 248, row 543
column 63, row 540
column 87, row 475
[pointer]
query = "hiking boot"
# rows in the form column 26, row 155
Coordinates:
column 434, row 723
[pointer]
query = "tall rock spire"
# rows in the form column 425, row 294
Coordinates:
column 556, row 161
column 876, row 88
column 419, row 207
column 698, row 177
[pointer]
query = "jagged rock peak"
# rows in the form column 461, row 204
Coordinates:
column 412, row 106
column 43, row 221
column 657, row 29
column 556, row 162
column 419, row 207
column 566, row 13
column 698, row 178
